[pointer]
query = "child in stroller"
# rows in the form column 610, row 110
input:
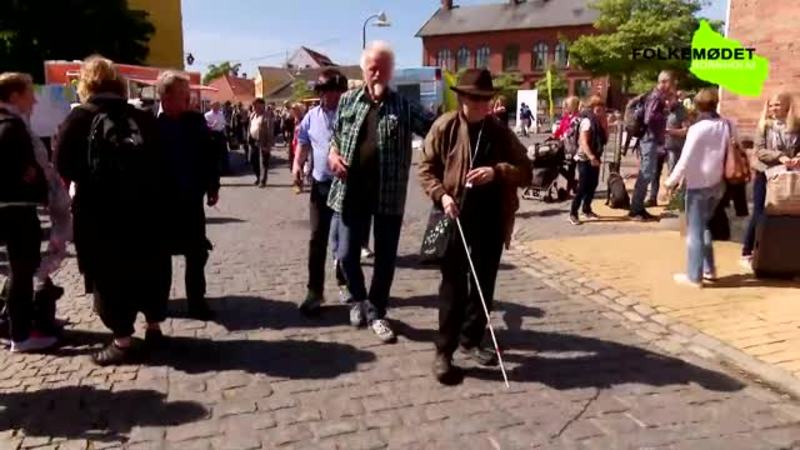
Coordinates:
column 550, row 172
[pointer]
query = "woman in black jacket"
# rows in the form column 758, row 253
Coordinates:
column 108, row 148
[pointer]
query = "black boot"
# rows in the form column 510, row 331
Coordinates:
column 444, row 370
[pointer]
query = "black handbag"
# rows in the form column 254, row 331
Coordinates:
column 438, row 235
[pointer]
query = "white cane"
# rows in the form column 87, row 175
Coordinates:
column 483, row 302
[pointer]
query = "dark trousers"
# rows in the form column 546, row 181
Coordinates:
column 123, row 288
column 569, row 174
column 22, row 233
column 352, row 234
column 759, row 203
column 320, row 217
column 461, row 316
column 221, row 145
column 589, row 177
column 259, row 162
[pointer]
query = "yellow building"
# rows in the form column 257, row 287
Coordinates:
column 166, row 44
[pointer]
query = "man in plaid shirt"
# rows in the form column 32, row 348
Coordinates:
column 371, row 158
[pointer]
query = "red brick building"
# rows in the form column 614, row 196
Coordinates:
column 771, row 28
column 515, row 36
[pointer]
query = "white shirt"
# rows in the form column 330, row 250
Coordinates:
column 215, row 121
column 702, row 161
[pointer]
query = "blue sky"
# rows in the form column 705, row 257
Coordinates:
column 259, row 32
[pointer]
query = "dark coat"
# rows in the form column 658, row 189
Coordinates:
column 113, row 230
column 17, row 158
column 192, row 172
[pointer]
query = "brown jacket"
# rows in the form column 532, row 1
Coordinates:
column 445, row 162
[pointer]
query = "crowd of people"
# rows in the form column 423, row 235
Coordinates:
column 355, row 149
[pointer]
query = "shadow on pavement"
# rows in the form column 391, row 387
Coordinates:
column 415, row 261
column 223, row 220
column 742, row 280
column 287, row 358
column 242, row 313
column 83, row 412
column 567, row 361
column 543, row 213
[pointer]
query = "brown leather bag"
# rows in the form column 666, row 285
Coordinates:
column 737, row 166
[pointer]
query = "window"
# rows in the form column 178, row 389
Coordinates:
column 462, row 61
column 482, row 57
column 443, row 59
column 562, row 55
column 583, row 88
column 540, row 56
column 511, row 57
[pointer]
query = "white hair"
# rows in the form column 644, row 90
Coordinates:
column 376, row 48
column 169, row 79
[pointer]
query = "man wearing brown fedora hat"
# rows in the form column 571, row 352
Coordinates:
column 471, row 168
column 314, row 140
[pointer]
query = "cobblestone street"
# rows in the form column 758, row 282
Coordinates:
column 262, row 376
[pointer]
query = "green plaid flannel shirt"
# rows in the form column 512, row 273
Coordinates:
column 398, row 119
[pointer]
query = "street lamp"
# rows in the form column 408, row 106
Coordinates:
column 382, row 22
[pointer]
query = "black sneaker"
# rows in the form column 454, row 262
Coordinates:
column 481, row 356
column 644, row 216
column 199, row 310
column 445, row 372
column 311, row 305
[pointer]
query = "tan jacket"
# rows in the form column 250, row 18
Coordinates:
column 766, row 155
column 445, row 163
column 262, row 131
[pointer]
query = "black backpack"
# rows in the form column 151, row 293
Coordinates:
column 634, row 116
column 117, row 162
column 570, row 138
column 617, row 193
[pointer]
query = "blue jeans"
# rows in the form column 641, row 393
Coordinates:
column 647, row 170
column 352, row 229
column 700, row 206
column 759, row 201
column 671, row 158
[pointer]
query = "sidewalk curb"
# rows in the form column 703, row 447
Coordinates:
column 652, row 324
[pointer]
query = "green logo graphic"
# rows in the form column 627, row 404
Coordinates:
column 726, row 62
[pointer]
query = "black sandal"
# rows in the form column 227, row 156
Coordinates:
column 112, row 354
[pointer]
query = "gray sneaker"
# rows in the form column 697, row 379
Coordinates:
column 357, row 317
column 383, row 330
column 344, row 295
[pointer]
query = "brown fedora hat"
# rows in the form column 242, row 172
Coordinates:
column 475, row 82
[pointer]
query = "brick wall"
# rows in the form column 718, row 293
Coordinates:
column 771, row 27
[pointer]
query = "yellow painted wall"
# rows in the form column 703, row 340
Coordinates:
column 166, row 45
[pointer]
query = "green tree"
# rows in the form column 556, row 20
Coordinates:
column 559, row 85
column 508, row 83
column 300, row 90
column 626, row 25
column 215, row 71
column 33, row 31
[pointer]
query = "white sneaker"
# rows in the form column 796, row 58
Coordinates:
column 746, row 262
column 711, row 277
column 357, row 316
column 366, row 252
column 683, row 280
column 33, row 344
column 382, row 329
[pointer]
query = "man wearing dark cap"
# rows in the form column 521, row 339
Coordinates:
column 314, row 140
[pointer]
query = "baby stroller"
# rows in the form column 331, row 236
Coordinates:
column 549, row 162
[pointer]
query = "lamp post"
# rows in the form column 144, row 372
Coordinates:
column 382, row 22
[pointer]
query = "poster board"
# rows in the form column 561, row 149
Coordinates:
column 52, row 107
column 531, row 98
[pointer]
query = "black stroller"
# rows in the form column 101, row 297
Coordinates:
column 550, row 168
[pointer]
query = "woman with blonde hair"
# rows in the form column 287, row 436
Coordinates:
column 592, row 138
column 777, row 142
column 108, row 149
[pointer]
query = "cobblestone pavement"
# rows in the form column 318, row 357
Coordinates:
column 262, row 376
